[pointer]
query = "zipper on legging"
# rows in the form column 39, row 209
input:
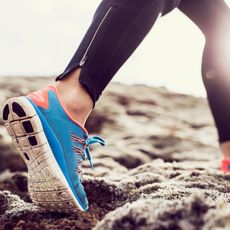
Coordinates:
column 83, row 60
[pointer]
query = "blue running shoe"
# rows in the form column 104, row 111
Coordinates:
column 53, row 146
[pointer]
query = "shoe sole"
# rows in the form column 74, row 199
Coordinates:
column 48, row 187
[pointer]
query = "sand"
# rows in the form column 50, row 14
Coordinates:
column 159, row 170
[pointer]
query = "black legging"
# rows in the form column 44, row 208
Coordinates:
column 119, row 26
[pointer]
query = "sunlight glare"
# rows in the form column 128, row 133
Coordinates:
column 228, row 2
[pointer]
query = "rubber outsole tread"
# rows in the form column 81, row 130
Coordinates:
column 47, row 188
column 32, row 140
column 28, row 126
column 6, row 112
column 18, row 109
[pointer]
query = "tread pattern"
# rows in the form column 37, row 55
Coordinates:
column 6, row 112
column 46, row 187
column 18, row 109
column 28, row 126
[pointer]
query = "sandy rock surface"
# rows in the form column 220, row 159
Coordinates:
column 159, row 170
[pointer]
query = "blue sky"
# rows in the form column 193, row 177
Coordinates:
column 39, row 37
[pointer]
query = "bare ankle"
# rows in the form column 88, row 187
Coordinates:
column 225, row 148
column 74, row 97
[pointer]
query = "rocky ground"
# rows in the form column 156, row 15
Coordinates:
column 159, row 170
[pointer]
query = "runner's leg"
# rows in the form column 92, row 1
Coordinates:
column 213, row 19
column 118, row 27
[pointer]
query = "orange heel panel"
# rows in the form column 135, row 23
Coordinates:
column 40, row 97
